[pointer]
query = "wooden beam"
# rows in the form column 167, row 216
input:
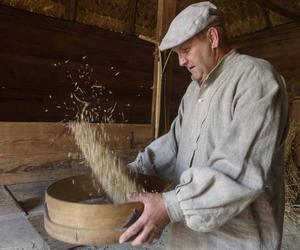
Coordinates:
column 130, row 16
column 264, row 13
column 166, row 11
column 279, row 9
column 71, row 10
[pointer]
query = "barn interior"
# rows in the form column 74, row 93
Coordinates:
column 51, row 49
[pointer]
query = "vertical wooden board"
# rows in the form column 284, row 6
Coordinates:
column 165, row 13
column 130, row 17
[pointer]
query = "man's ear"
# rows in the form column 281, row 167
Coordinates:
column 213, row 36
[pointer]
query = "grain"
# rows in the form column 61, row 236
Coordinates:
column 91, row 137
column 106, row 166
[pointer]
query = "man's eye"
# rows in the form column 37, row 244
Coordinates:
column 186, row 50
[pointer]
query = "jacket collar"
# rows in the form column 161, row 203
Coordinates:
column 217, row 70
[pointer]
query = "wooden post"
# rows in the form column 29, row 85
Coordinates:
column 264, row 13
column 130, row 17
column 166, row 11
column 71, row 10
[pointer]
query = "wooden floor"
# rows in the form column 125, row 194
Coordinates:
column 21, row 223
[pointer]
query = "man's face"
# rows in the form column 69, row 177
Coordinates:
column 197, row 56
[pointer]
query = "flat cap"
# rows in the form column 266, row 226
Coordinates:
column 189, row 22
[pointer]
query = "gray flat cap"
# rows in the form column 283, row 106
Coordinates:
column 190, row 22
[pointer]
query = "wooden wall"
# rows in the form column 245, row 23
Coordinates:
column 37, row 56
column 38, row 151
column 41, row 58
column 33, row 89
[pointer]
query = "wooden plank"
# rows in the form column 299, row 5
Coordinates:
column 28, row 138
column 41, row 173
column 30, row 196
column 19, row 234
column 166, row 10
column 9, row 209
column 165, row 13
column 46, row 151
column 276, row 34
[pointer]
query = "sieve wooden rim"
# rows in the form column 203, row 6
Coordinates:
column 68, row 220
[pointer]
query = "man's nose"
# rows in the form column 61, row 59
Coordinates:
column 182, row 60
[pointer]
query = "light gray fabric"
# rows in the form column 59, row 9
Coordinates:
column 190, row 22
column 224, row 154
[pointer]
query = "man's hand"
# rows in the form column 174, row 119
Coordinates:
column 151, row 223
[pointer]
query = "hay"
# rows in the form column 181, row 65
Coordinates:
column 292, row 173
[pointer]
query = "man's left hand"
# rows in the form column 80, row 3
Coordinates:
column 151, row 223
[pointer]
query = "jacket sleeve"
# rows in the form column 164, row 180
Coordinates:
column 159, row 157
column 209, row 196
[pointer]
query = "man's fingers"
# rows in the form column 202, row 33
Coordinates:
column 131, row 231
column 142, row 238
column 147, row 236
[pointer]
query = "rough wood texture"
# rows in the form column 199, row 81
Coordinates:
column 42, row 172
column 45, row 151
column 30, row 196
column 9, row 209
column 20, row 234
column 71, row 10
column 241, row 17
column 130, row 17
column 40, row 59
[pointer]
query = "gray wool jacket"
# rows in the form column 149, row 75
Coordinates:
column 224, row 155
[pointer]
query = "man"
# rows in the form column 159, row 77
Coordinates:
column 224, row 151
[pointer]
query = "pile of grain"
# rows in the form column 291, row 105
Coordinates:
column 106, row 166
